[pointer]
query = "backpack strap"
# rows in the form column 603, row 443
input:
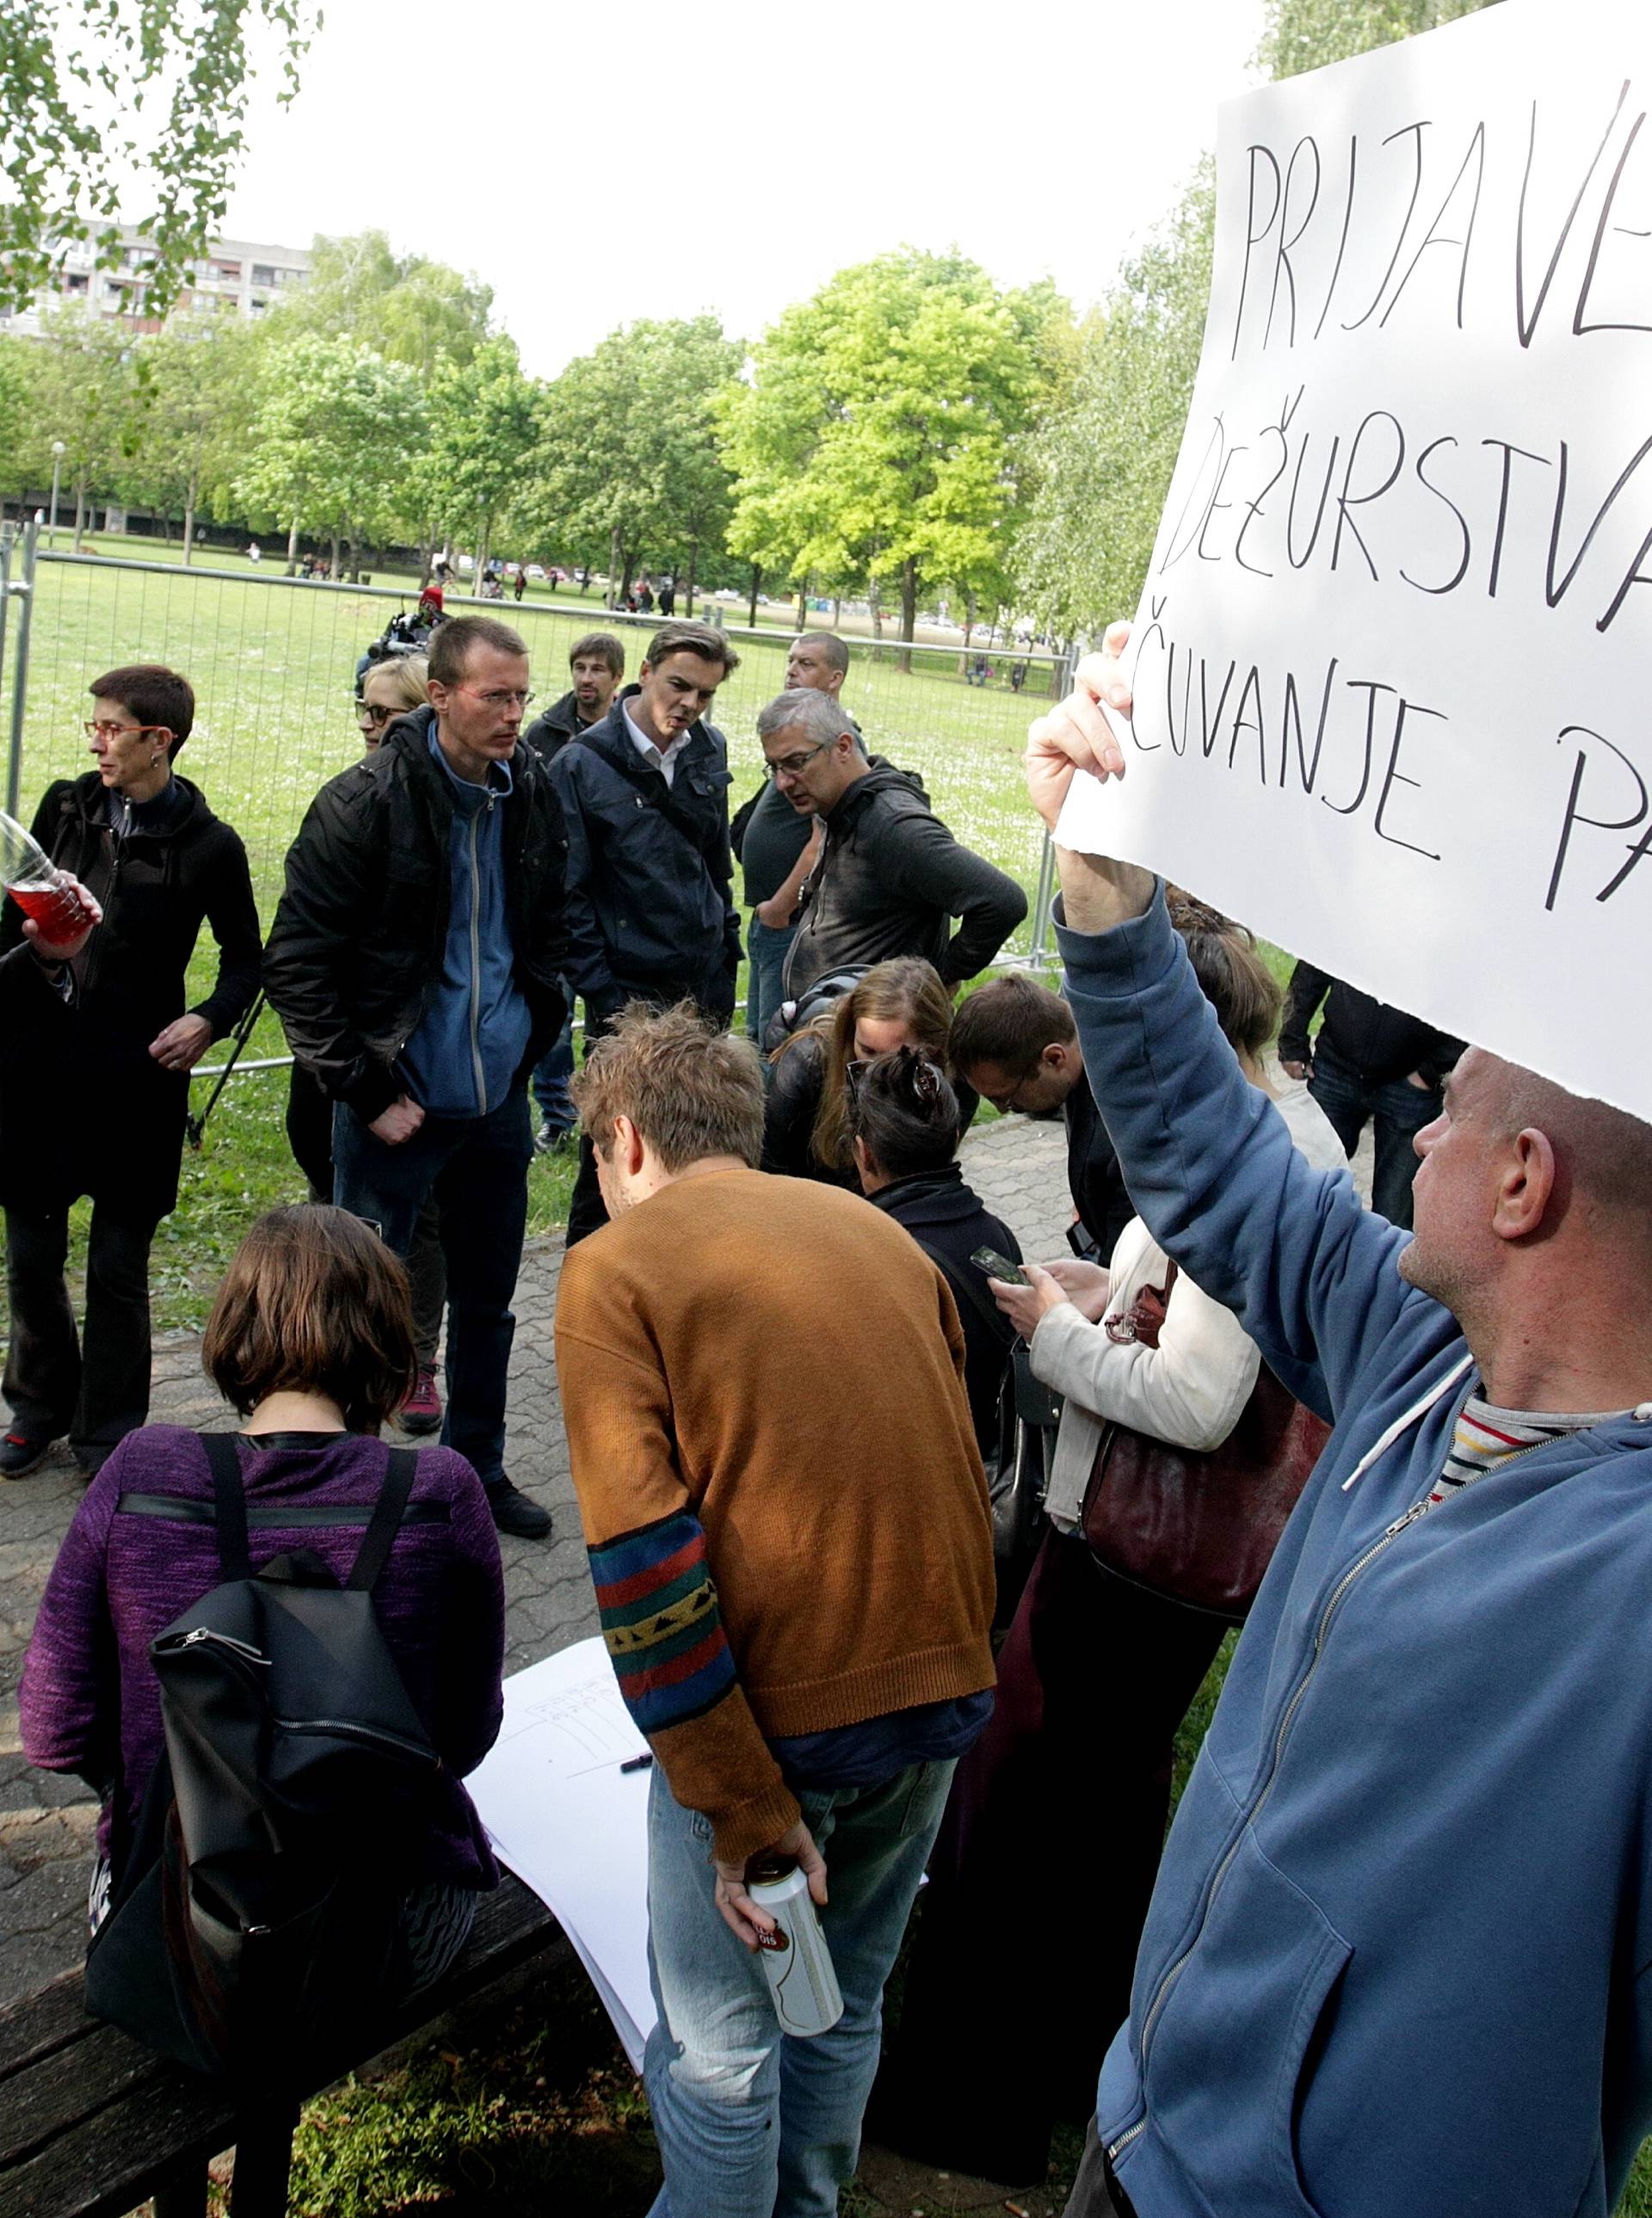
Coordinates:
column 381, row 1534
column 230, row 1504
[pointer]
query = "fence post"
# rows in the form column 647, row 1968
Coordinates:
column 24, row 589
column 8, row 541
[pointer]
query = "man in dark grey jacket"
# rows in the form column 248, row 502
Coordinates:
column 891, row 876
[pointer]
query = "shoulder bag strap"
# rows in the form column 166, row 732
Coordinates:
column 230, row 1504
column 657, row 796
column 381, row 1534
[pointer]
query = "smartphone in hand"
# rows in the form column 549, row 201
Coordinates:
column 999, row 1266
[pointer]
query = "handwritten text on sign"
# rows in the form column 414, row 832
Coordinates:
column 1394, row 657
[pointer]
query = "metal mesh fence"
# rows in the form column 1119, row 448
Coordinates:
column 273, row 665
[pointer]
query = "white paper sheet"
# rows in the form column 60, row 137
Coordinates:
column 573, row 1826
column 1390, row 697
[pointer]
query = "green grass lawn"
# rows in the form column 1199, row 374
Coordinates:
column 273, row 668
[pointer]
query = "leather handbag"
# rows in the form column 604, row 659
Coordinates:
column 1200, row 1527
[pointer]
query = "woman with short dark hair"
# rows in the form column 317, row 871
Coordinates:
column 311, row 1340
column 98, row 1106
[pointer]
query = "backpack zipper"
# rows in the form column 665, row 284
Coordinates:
column 372, row 1735
column 201, row 1633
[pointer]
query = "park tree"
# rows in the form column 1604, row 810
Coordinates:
column 82, row 390
column 335, row 439
column 16, row 413
column 1307, row 35
column 95, row 91
column 196, row 396
column 407, row 309
column 1100, row 466
column 629, row 468
column 484, row 423
column 878, row 435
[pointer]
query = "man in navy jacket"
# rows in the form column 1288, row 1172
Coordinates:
column 1397, row 1955
column 650, row 905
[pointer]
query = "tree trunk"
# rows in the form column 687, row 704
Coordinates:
column 802, row 605
column 757, row 580
column 332, row 562
column 188, row 532
column 292, row 548
column 876, row 604
column 426, row 562
column 616, row 560
column 80, row 513
column 693, row 566
column 630, row 564
column 908, row 613
column 837, row 612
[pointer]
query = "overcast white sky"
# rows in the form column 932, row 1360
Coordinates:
column 642, row 160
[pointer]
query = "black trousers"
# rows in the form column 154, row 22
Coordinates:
column 96, row 1386
column 1066, row 1793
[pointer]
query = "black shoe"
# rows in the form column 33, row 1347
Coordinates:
column 550, row 1139
column 19, row 1455
column 514, row 1513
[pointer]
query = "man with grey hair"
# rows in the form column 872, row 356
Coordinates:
column 777, row 848
column 890, row 877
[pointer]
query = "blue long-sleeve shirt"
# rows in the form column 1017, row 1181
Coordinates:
column 475, row 1026
column 1396, row 1959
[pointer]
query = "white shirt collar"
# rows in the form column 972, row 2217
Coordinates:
column 664, row 761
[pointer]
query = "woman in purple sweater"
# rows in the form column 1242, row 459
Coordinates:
column 311, row 1340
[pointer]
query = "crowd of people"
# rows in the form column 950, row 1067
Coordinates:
column 810, row 1389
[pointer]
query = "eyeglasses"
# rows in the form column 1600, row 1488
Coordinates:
column 793, row 765
column 497, row 702
column 104, row 730
column 368, row 712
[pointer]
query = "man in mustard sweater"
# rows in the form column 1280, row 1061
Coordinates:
column 788, row 1526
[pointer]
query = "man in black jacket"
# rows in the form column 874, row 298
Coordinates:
column 597, row 664
column 416, row 963
column 97, row 1107
column 1371, row 1062
column 890, row 875
column 1016, row 1043
column 651, row 914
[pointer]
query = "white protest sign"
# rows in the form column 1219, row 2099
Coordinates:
column 1393, row 675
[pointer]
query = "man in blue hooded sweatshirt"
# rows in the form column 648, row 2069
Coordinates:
column 1399, row 1959
column 416, row 964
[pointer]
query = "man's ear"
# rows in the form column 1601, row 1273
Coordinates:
column 625, row 1149
column 863, row 1154
column 1530, row 1196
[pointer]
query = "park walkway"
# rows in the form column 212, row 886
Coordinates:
column 47, row 1821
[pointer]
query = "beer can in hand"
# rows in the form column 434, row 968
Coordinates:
column 796, row 1957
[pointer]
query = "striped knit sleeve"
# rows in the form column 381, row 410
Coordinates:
column 655, row 1593
column 661, row 1621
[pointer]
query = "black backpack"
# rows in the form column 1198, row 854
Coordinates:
column 256, row 1908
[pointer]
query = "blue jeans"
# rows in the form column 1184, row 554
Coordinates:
column 1399, row 1111
column 766, row 951
column 753, row 2123
column 477, row 1169
column 550, row 1081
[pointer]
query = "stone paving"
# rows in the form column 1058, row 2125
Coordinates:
column 47, row 1821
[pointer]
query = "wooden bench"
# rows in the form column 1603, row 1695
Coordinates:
column 92, row 2123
